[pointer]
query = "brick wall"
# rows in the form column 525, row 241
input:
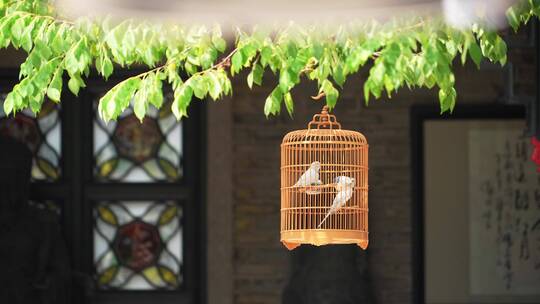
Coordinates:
column 261, row 263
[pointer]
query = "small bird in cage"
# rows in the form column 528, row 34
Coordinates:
column 310, row 178
column 344, row 185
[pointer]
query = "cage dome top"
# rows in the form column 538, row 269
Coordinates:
column 324, row 127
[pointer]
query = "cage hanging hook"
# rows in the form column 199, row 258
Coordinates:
column 324, row 120
column 325, row 110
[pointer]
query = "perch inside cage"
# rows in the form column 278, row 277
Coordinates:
column 324, row 185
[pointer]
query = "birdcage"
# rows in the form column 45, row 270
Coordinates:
column 324, row 185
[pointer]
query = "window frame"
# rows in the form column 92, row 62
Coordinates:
column 76, row 191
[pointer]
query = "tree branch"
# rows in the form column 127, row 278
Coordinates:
column 319, row 96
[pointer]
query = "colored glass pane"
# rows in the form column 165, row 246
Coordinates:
column 138, row 245
column 128, row 150
column 41, row 133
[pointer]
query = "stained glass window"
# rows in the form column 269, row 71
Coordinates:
column 41, row 133
column 128, row 150
column 138, row 245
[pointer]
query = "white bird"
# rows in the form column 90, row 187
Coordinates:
column 343, row 183
column 310, row 177
column 345, row 187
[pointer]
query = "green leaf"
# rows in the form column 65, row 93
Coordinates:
column 219, row 43
column 377, row 71
column 248, row 52
column 286, row 80
column 500, row 50
column 464, row 52
column 289, row 104
column 451, row 47
column 476, row 53
column 272, row 105
column 155, row 94
column 26, row 36
column 512, row 18
column 106, row 67
column 71, row 60
column 236, row 62
column 224, row 81
column 199, row 85
column 54, row 90
column 117, row 99
column 258, row 72
column 5, row 30
column 214, row 85
column 182, row 99
column 172, row 76
column 17, row 31
column 250, row 79
column 207, row 58
column 255, row 76
column 8, row 104
column 366, row 92
column 339, row 76
column 266, row 55
column 330, row 92
column 140, row 100
column 357, row 58
column 447, row 99
column 75, row 83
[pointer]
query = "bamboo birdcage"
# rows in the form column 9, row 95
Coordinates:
column 342, row 159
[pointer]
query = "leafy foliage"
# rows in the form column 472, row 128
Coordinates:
column 413, row 52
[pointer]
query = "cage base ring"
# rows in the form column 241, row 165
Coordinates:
column 318, row 237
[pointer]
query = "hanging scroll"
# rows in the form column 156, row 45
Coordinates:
column 504, row 214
